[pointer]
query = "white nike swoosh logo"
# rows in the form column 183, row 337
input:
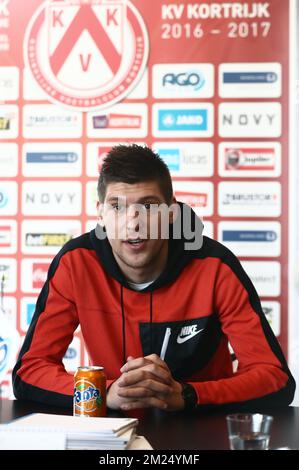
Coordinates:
column 181, row 340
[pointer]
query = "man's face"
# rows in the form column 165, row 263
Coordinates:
column 133, row 221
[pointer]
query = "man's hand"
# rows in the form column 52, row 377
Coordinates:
column 145, row 382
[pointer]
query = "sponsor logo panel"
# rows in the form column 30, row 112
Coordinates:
column 47, row 236
column 273, row 315
column 50, row 121
column 34, row 274
column 28, row 305
column 250, row 80
column 251, row 239
column 192, row 80
column 198, row 195
column 187, row 159
column 9, row 83
column 8, row 275
column 8, row 160
column 91, row 198
column 53, row 198
column 265, row 276
column 262, row 119
column 244, row 199
column 8, row 198
column 8, row 236
column 9, row 121
column 208, row 228
column 243, row 159
column 183, row 120
column 72, row 357
column 122, row 120
column 52, row 159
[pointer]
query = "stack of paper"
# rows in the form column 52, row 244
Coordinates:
column 71, row 432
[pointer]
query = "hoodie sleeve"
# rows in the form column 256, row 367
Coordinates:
column 39, row 374
column 263, row 377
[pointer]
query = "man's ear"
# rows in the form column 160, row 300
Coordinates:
column 100, row 208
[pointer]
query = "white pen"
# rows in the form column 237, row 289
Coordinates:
column 165, row 343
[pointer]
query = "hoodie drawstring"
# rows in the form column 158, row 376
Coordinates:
column 124, row 323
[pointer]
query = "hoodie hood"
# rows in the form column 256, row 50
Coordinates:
column 182, row 233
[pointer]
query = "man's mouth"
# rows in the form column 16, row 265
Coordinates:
column 136, row 243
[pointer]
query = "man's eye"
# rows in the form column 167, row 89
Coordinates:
column 117, row 207
column 147, row 205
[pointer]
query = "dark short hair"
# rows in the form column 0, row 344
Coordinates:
column 134, row 164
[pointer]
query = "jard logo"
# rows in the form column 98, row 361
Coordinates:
column 103, row 44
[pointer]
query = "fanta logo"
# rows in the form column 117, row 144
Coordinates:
column 86, row 396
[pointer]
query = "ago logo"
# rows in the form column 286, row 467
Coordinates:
column 86, row 396
column 86, row 54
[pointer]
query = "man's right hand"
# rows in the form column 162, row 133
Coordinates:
column 149, row 382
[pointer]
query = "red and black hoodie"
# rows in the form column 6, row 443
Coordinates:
column 201, row 301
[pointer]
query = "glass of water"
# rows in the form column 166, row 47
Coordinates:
column 247, row 431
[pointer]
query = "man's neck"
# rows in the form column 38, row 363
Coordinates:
column 145, row 273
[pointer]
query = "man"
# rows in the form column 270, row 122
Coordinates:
column 155, row 311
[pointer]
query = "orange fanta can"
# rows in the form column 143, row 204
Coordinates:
column 90, row 392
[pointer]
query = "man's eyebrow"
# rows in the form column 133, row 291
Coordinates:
column 150, row 197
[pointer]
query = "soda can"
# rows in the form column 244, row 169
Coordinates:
column 90, row 392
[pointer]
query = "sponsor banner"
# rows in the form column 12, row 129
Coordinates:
column 187, row 159
column 273, row 315
column 198, row 195
column 28, row 305
column 249, row 199
column 8, row 160
column 140, row 92
column 91, row 198
column 72, row 357
column 67, row 40
column 8, row 198
column 52, row 159
column 265, row 276
column 9, row 83
column 250, row 80
column 50, row 121
column 183, row 120
column 9, row 345
column 8, row 276
column 193, row 80
column 251, row 239
column 34, row 274
column 31, row 90
column 8, row 307
column 249, row 159
column 208, row 228
column 48, row 236
column 9, row 121
column 122, row 120
column 53, row 198
column 260, row 119
column 8, row 236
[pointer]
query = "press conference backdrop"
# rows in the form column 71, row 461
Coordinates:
column 206, row 84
